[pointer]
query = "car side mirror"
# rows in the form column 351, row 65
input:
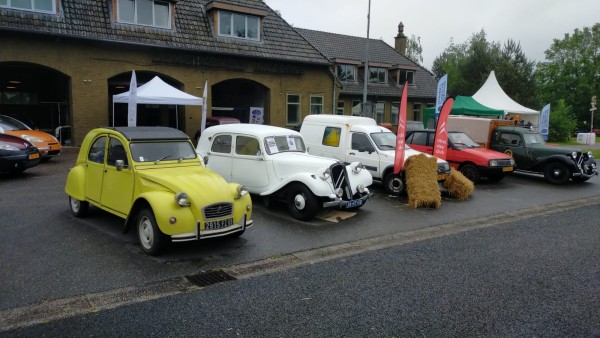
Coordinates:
column 119, row 164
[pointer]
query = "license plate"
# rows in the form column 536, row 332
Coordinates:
column 442, row 177
column 354, row 203
column 33, row 156
column 220, row 224
column 507, row 169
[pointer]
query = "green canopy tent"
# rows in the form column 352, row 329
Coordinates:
column 463, row 105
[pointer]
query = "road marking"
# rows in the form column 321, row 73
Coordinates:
column 47, row 311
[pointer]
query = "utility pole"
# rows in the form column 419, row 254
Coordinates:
column 366, row 78
column 592, row 110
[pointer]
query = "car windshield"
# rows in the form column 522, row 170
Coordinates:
column 159, row 151
column 462, row 140
column 8, row 123
column 385, row 141
column 280, row 144
column 534, row 138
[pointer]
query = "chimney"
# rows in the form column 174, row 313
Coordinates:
column 401, row 40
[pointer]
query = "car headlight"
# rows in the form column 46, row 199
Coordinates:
column 360, row 188
column 31, row 138
column 512, row 161
column 358, row 168
column 444, row 167
column 241, row 191
column 339, row 192
column 181, row 198
column 590, row 154
column 493, row 163
column 574, row 155
column 326, row 174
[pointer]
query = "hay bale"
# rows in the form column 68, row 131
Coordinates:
column 458, row 185
column 421, row 182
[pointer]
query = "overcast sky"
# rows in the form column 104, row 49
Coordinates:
column 532, row 23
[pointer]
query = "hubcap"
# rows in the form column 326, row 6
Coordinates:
column 397, row 185
column 146, row 233
column 74, row 205
column 557, row 172
column 300, row 202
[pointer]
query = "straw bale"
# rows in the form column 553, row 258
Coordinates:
column 458, row 185
column 421, row 182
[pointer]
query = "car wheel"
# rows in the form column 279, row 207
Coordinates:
column 393, row 184
column 302, row 203
column 495, row 177
column 556, row 173
column 78, row 208
column 470, row 171
column 151, row 238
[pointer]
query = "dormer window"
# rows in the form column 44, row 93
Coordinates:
column 144, row 12
column 346, row 72
column 43, row 6
column 239, row 25
column 406, row 75
column 377, row 75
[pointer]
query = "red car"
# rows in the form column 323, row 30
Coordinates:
column 17, row 154
column 465, row 155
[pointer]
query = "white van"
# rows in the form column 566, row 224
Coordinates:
column 354, row 138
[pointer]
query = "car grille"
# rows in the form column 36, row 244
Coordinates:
column 219, row 210
column 504, row 163
column 339, row 177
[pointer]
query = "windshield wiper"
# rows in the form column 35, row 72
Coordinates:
column 162, row 158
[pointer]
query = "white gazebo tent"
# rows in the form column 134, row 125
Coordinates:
column 493, row 96
column 158, row 92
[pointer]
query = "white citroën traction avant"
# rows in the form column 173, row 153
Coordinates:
column 273, row 162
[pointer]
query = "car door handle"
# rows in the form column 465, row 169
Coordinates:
column 351, row 154
column 105, row 170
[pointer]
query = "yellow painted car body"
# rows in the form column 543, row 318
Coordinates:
column 152, row 177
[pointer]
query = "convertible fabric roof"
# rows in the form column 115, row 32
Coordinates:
column 151, row 133
column 158, row 92
column 492, row 95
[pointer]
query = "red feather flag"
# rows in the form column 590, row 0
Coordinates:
column 401, row 134
column 440, row 144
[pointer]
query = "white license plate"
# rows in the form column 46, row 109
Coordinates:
column 354, row 203
column 220, row 224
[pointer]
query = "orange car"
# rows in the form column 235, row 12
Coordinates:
column 47, row 144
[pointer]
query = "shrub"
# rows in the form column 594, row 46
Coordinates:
column 562, row 122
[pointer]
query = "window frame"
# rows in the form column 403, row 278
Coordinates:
column 381, row 75
column 232, row 18
column 395, row 112
column 417, row 112
column 359, row 105
column 316, row 106
column 135, row 21
column 298, row 106
column 340, row 107
column 343, row 68
column 380, row 111
column 32, row 9
column 406, row 72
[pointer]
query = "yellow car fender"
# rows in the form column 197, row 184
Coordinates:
column 165, row 209
column 75, row 186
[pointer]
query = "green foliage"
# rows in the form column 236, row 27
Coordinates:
column 469, row 64
column 572, row 72
column 414, row 50
column 562, row 122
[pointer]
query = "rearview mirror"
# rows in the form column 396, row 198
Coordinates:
column 119, row 165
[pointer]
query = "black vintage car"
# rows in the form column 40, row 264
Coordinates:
column 17, row 154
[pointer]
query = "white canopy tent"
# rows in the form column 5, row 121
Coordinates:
column 158, row 92
column 493, row 96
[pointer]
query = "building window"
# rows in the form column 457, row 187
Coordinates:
column 145, row 12
column 346, row 72
column 407, row 75
column 356, row 108
column 237, row 25
column 377, row 75
column 293, row 109
column 340, row 108
column 417, row 112
column 44, row 6
column 379, row 111
column 316, row 104
column 395, row 112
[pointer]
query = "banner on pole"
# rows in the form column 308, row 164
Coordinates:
column 440, row 143
column 442, row 89
column 132, row 102
column 401, row 134
column 545, row 121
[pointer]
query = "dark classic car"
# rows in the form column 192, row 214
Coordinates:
column 17, row 154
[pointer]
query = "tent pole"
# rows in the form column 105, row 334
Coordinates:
column 113, row 113
column 176, row 117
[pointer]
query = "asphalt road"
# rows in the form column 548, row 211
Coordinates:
column 537, row 276
column 47, row 256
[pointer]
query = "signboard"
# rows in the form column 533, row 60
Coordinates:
column 256, row 115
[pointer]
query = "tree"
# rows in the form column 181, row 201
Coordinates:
column 469, row 64
column 414, row 50
column 561, row 123
column 572, row 72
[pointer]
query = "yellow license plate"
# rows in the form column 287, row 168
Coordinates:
column 442, row 177
column 33, row 156
column 507, row 169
